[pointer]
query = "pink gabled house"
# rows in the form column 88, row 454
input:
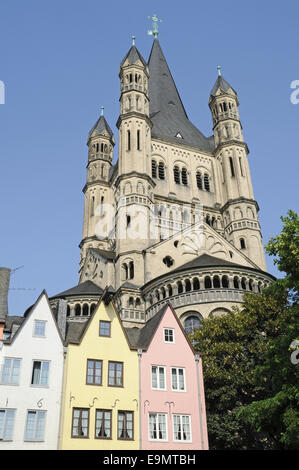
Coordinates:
column 172, row 414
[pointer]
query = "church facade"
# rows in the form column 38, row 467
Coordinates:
column 172, row 218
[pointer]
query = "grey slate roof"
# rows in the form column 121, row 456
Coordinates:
column 142, row 337
column 85, row 288
column 167, row 111
column 100, row 126
column 133, row 56
column 222, row 84
column 12, row 319
column 74, row 331
column 206, row 261
column 109, row 255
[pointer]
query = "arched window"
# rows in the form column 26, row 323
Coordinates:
column 137, row 302
column 243, row 283
column 196, row 284
column 161, row 171
column 128, row 140
column 131, row 302
column 92, row 308
column 208, row 283
column 68, row 311
column 138, row 139
column 191, row 324
column 216, row 282
column 176, row 174
column 92, row 206
column 125, row 272
column 163, row 292
column 169, row 290
column 250, row 284
column 224, row 282
column 154, row 169
column 157, row 295
column 180, row 287
column 85, row 310
column 184, row 176
column 131, row 270
column 242, row 244
column 206, row 182
column 77, row 310
column 199, row 180
column 187, row 285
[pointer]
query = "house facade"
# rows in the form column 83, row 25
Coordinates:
column 101, row 385
column 172, row 391
column 31, row 374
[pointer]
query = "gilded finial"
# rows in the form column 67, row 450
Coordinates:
column 155, row 31
column 219, row 70
column 133, row 40
column 102, row 110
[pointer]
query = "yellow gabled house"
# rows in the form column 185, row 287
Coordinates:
column 100, row 408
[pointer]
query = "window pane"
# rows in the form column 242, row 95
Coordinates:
column 40, row 425
column 36, row 372
column 29, row 432
column 45, row 373
column 161, row 377
column 6, row 370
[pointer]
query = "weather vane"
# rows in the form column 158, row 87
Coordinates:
column 133, row 40
column 102, row 110
column 155, row 30
column 219, row 70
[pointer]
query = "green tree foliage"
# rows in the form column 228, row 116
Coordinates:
column 251, row 385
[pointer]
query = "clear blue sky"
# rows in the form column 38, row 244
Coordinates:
column 59, row 61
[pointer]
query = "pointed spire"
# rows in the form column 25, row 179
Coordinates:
column 167, row 111
column 102, row 126
column 133, row 55
column 221, row 84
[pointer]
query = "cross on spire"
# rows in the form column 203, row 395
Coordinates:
column 155, row 31
column 102, row 110
column 219, row 70
column 133, row 40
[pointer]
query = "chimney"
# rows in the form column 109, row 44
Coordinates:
column 4, row 284
column 61, row 316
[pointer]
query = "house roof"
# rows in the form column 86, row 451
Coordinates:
column 85, row 288
column 167, row 111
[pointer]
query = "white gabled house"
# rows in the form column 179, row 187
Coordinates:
column 31, row 375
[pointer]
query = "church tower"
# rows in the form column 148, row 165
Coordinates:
column 133, row 185
column 97, row 192
column 240, row 210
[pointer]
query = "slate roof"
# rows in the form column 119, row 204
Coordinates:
column 141, row 338
column 133, row 56
column 109, row 255
column 100, row 126
column 167, row 111
column 85, row 288
column 11, row 319
column 222, row 84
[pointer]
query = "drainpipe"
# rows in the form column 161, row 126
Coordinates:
column 139, row 352
column 197, row 357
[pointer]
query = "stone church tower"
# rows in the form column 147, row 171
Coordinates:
column 174, row 219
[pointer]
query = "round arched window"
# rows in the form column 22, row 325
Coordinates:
column 191, row 324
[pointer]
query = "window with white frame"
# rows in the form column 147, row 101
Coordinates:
column 35, row 426
column 182, row 428
column 11, row 371
column 40, row 373
column 158, row 378
column 168, row 335
column 7, row 419
column 157, row 427
column 178, row 382
column 39, row 328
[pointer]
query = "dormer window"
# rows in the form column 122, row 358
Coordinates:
column 179, row 135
